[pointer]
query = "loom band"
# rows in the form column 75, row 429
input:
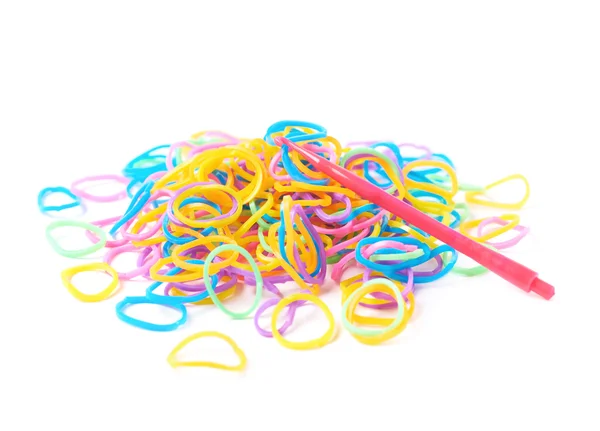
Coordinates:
column 345, row 244
column 428, row 186
column 316, row 252
column 324, row 200
column 255, row 186
column 100, row 234
column 171, row 159
column 104, row 223
column 207, row 206
column 217, row 222
column 388, row 255
column 174, row 362
column 285, row 252
column 307, row 231
column 314, row 289
column 263, row 242
column 378, row 340
column 356, row 212
column 255, row 217
column 276, row 169
column 173, row 300
column 255, row 271
column 367, row 174
column 446, row 268
column 295, row 173
column 364, row 259
column 295, row 186
column 68, row 274
column 226, row 294
column 339, row 215
column 353, row 157
column 512, row 221
column 178, row 250
column 303, row 345
column 311, row 131
column 142, row 222
column 289, row 318
column 378, row 300
column 304, row 165
column 374, row 285
column 445, row 219
column 95, row 198
column 137, row 204
column 135, row 300
column 522, row 231
column 471, row 197
column 182, row 239
column 331, row 260
column 49, row 190
column 351, row 227
column 390, row 146
column 472, row 271
column 196, row 286
column 183, row 275
column 463, row 210
column 153, row 256
column 342, row 265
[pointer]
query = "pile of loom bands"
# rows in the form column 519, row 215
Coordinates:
column 215, row 214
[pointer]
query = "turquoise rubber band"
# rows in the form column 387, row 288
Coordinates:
column 211, row 289
column 75, row 223
column 373, row 332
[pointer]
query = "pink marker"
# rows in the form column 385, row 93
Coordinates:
column 513, row 272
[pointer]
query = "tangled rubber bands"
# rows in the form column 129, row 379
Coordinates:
column 215, row 214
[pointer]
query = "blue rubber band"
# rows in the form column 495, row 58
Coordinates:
column 137, row 203
column 49, row 190
column 295, row 173
column 320, row 133
column 133, row 300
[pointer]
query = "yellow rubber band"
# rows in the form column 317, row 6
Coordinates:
column 68, row 274
column 174, row 362
column 303, row 345
column 473, row 198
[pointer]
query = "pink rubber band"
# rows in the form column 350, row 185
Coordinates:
column 522, row 231
column 95, row 198
column 104, row 223
column 150, row 260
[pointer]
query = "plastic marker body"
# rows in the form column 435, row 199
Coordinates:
column 506, row 268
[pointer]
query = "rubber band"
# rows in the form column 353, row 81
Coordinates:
column 303, row 345
column 134, row 300
column 75, row 223
column 375, row 336
column 174, row 362
column 257, row 278
column 68, row 274
column 95, row 198
column 49, row 190
column 472, row 197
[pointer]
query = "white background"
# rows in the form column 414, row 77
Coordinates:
column 501, row 87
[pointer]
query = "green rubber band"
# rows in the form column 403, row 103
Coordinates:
column 375, row 153
column 334, row 259
column 373, row 332
column 211, row 290
column 75, row 223
column 468, row 272
column 463, row 210
column 399, row 256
